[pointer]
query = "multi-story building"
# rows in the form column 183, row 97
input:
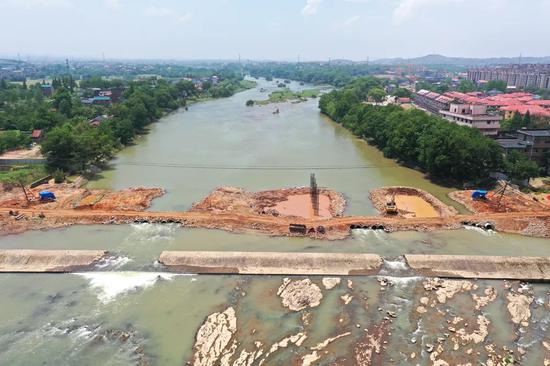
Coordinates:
column 537, row 144
column 474, row 116
column 519, row 76
column 431, row 101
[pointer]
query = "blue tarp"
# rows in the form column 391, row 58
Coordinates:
column 479, row 194
column 47, row 195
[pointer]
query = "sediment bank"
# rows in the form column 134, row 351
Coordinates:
column 49, row 260
column 258, row 263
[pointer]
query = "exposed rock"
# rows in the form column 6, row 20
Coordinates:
column 331, row 282
column 296, row 339
column 366, row 351
column 328, row 341
column 421, row 310
column 214, row 339
column 482, row 301
column 478, row 335
column 518, row 307
column 346, row 298
column 298, row 295
column 310, row 358
column 446, row 289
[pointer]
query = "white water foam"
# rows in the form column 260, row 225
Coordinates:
column 480, row 230
column 109, row 285
column 154, row 232
column 113, row 262
column 367, row 233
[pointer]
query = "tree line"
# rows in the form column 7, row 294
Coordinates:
column 72, row 143
column 444, row 150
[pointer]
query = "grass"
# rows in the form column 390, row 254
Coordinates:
column 27, row 174
column 286, row 94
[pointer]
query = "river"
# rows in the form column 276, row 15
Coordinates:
column 129, row 312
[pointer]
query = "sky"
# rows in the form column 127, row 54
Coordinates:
column 273, row 29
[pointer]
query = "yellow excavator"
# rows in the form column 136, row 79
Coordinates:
column 391, row 207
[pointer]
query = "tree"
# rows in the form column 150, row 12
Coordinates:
column 513, row 124
column 402, row 93
column 526, row 120
column 518, row 166
column 466, row 86
column 377, row 94
column 499, row 85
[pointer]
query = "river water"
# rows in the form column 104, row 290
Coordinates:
column 129, row 312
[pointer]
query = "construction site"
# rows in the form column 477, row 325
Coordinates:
column 307, row 211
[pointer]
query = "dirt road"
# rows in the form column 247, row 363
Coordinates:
column 526, row 223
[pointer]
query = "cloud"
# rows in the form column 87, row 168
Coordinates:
column 161, row 12
column 311, row 7
column 409, row 8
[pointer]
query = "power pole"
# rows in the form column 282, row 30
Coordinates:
column 314, row 193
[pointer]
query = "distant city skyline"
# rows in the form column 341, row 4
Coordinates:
column 278, row 30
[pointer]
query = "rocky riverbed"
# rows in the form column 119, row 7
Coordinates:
column 379, row 321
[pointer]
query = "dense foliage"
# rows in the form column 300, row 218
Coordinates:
column 315, row 73
column 445, row 151
column 72, row 143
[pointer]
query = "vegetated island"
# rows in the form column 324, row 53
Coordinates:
column 285, row 95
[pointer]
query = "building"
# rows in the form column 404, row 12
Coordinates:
column 37, row 135
column 474, row 116
column 537, row 144
column 512, row 144
column 47, row 90
column 431, row 101
column 99, row 100
column 517, row 76
column 534, row 110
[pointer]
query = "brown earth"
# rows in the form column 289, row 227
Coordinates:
column 513, row 200
column 71, row 196
column 280, row 202
column 410, row 202
column 236, row 210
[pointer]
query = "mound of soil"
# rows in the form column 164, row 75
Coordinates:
column 279, row 202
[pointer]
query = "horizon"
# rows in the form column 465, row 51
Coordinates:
column 63, row 58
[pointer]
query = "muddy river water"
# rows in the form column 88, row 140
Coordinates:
column 131, row 312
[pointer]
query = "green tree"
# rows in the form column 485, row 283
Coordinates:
column 377, row 94
column 499, row 85
column 466, row 86
column 526, row 120
column 518, row 166
column 402, row 93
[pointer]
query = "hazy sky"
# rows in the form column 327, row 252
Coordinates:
column 274, row 29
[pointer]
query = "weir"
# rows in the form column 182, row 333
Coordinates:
column 288, row 263
column 49, row 260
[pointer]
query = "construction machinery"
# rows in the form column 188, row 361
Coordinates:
column 391, row 207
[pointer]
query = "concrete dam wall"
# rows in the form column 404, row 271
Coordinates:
column 49, row 260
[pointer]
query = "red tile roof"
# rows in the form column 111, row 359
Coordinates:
column 533, row 110
column 36, row 134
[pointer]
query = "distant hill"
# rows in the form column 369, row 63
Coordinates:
column 461, row 61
